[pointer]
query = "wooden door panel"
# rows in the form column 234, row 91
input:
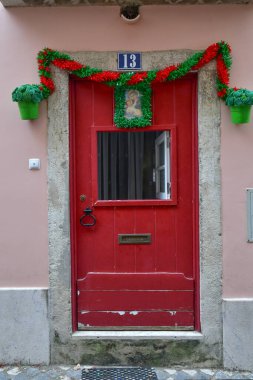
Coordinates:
column 135, row 300
column 145, row 254
column 164, row 104
column 166, row 242
column 131, row 281
column 102, row 245
column 124, row 255
column 135, row 284
column 168, row 319
column 185, row 264
column 102, row 103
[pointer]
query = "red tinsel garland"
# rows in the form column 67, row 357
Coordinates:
column 67, row 65
column 219, row 51
column 222, row 93
column 48, row 82
column 137, row 78
column 222, row 70
column 105, row 76
column 162, row 75
column 209, row 55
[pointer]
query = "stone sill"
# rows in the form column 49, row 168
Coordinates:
column 164, row 335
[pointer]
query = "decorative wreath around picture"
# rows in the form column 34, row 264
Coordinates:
column 135, row 112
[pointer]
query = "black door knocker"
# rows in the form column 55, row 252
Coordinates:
column 88, row 220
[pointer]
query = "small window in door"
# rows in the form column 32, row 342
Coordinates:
column 134, row 165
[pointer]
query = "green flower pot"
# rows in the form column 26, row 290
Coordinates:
column 240, row 114
column 28, row 110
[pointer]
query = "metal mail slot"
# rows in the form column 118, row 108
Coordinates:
column 134, row 238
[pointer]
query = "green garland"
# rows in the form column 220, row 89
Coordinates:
column 220, row 51
column 120, row 107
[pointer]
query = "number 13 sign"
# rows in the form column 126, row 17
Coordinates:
column 129, row 61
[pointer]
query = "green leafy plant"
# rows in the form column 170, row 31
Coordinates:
column 29, row 93
column 239, row 97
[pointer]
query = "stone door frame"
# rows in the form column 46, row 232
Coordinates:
column 136, row 347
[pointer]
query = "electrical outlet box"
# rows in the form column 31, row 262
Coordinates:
column 34, row 163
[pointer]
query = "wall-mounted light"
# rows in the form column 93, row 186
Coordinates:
column 129, row 12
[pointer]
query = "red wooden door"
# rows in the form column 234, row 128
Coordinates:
column 142, row 284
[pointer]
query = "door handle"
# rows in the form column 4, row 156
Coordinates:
column 90, row 219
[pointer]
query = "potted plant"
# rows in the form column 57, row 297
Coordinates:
column 28, row 97
column 240, row 102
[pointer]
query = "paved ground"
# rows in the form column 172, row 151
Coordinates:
column 74, row 372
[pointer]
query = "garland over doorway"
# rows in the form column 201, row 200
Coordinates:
column 139, row 82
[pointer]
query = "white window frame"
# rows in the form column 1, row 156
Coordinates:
column 164, row 138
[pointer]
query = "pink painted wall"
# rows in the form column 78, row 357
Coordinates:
column 23, row 194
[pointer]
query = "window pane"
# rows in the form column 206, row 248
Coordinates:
column 162, row 180
column 127, row 163
column 161, row 154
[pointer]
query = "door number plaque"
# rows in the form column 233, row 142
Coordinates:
column 134, row 238
column 129, row 61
